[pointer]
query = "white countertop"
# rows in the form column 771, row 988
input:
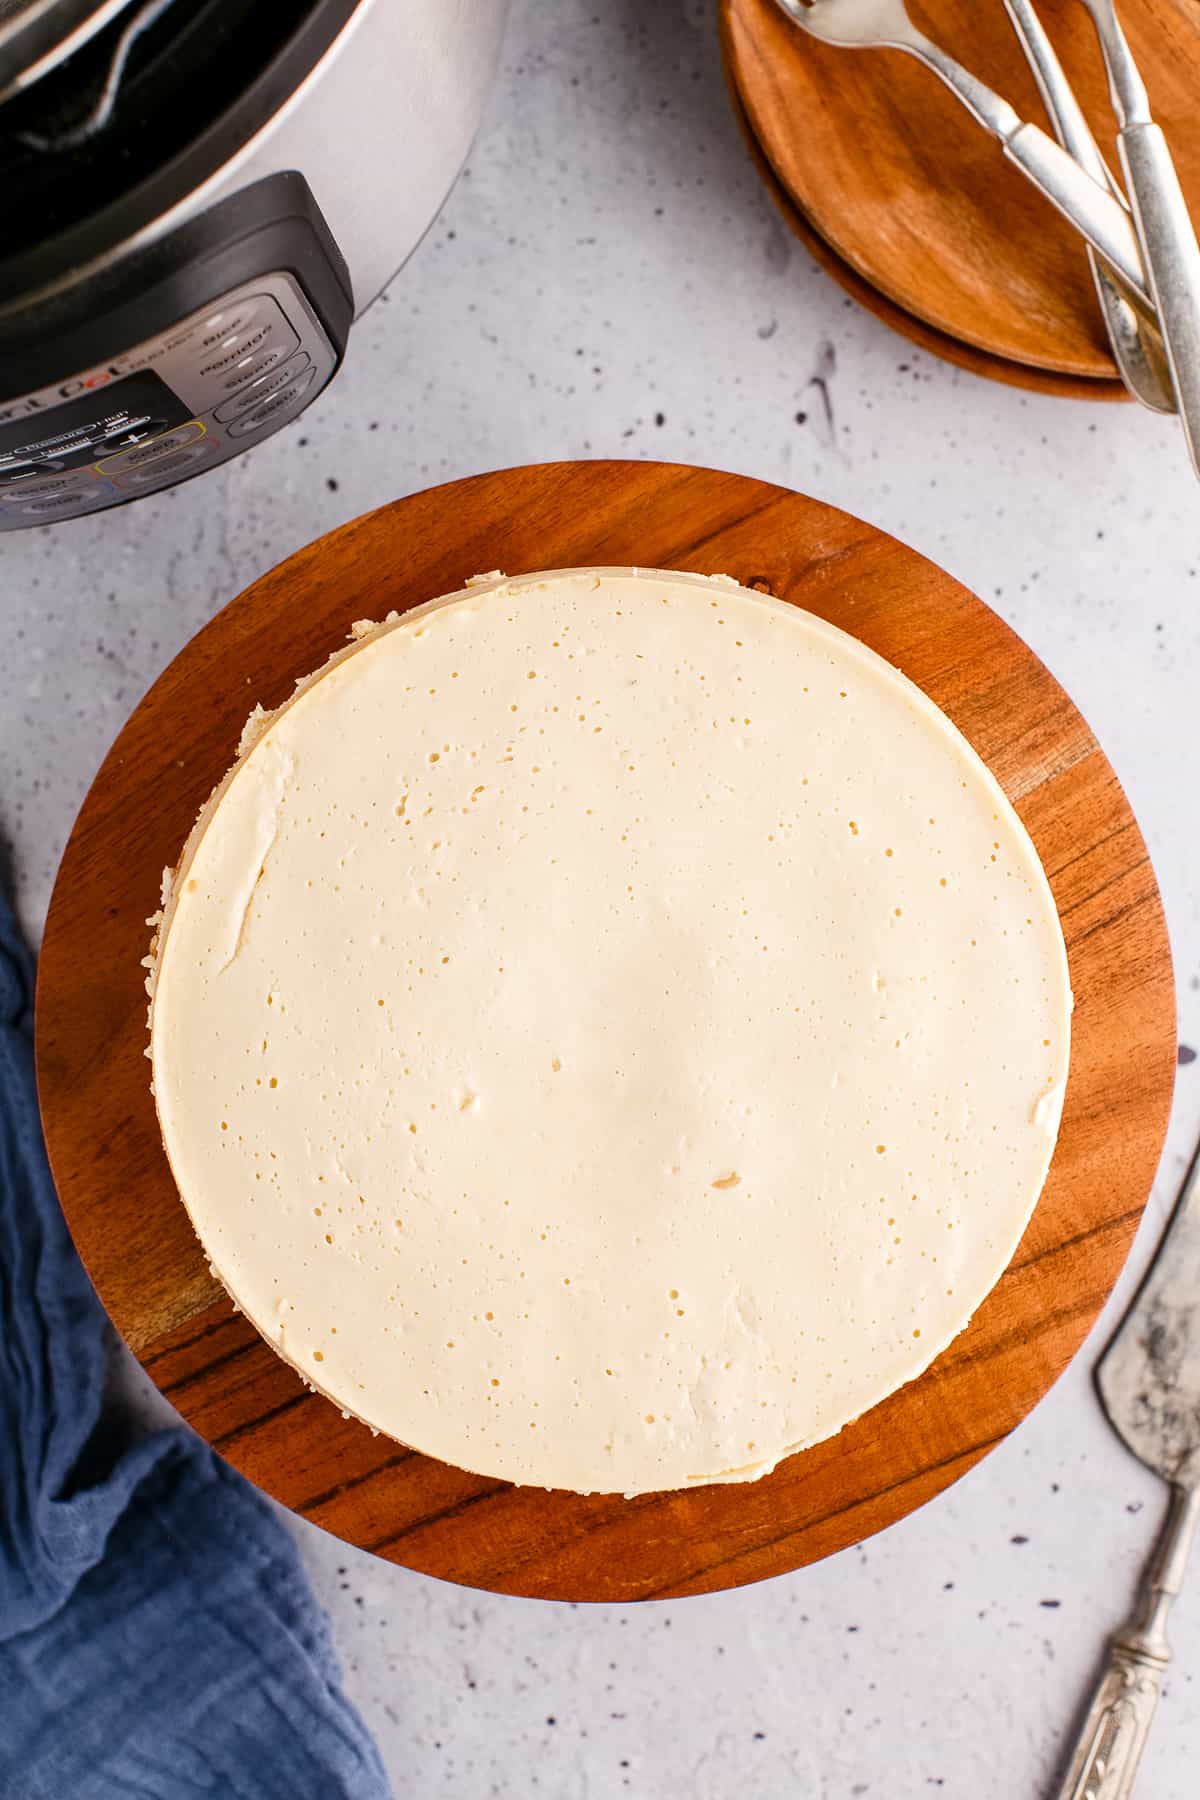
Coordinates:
column 609, row 280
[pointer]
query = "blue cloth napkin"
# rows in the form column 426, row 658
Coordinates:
column 158, row 1638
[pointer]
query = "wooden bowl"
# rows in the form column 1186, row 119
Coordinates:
column 888, row 169
column 134, row 1235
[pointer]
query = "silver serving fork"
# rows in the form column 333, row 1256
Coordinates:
column 1137, row 348
column 1170, row 251
column 1084, row 203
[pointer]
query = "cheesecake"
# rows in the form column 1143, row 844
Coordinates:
column 608, row 1029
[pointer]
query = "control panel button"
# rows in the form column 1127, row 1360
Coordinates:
column 67, row 504
column 168, row 468
column 266, row 334
column 253, row 363
column 271, row 409
column 259, row 390
column 38, row 487
column 50, row 504
column 225, row 323
column 127, row 434
column 258, row 324
column 151, row 452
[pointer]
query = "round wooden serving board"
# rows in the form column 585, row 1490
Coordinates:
column 887, row 167
column 135, row 1237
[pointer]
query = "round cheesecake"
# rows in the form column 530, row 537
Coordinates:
column 609, row 1029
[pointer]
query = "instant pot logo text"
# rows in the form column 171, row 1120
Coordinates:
column 75, row 389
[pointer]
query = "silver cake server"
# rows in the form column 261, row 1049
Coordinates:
column 1149, row 1386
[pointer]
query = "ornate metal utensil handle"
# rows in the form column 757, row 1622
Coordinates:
column 1113, row 1736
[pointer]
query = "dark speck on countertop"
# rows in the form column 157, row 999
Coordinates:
column 778, row 248
column 1186, row 1055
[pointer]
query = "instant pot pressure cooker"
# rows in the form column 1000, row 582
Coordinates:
column 196, row 199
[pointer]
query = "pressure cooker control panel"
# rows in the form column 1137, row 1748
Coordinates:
column 182, row 402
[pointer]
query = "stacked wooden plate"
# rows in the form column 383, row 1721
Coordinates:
column 913, row 208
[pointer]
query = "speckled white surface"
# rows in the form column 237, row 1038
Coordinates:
column 608, row 279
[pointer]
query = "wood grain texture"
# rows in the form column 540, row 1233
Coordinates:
column 906, row 324
column 890, row 171
column 134, row 1235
